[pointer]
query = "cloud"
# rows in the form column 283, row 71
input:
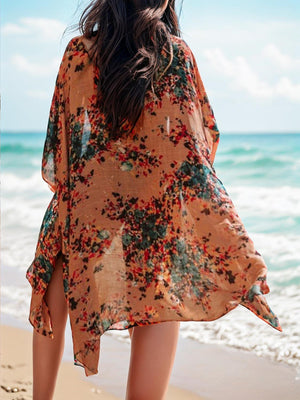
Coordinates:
column 38, row 94
column 44, row 29
column 287, row 89
column 284, row 61
column 35, row 69
column 244, row 77
column 13, row 29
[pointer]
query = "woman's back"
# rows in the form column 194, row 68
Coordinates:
column 147, row 231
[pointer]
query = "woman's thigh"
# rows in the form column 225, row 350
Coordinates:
column 153, row 349
column 55, row 297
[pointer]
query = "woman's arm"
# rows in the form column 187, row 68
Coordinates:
column 55, row 152
column 211, row 131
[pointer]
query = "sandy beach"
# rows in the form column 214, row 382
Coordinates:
column 16, row 373
column 200, row 371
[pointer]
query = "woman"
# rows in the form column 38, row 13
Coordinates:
column 140, row 233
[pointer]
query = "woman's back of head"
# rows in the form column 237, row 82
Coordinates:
column 127, row 37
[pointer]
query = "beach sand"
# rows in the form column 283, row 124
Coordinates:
column 16, row 372
column 201, row 371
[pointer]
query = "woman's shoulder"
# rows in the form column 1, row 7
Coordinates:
column 183, row 49
column 77, row 44
column 81, row 43
column 80, row 39
column 181, row 43
column 74, row 59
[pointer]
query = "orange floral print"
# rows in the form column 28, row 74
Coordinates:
column 145, row 229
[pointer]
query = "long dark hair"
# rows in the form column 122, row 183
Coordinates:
column 128, row 37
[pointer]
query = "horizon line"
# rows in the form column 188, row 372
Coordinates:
column 226, row 132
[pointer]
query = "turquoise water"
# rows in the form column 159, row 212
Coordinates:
column 270, row 160
column 260, row 171
column 260, row 159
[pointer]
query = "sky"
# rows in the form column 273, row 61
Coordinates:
column 247, row 52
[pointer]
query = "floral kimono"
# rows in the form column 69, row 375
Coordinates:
column 143, row 227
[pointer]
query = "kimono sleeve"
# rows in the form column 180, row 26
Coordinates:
column 55, row 151
column 211, row 130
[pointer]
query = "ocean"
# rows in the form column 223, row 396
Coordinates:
column 261, row 173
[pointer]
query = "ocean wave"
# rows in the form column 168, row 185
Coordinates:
column 248, row 153
column 240, row 150
column 19, row 184
column 254, row 200
column 275, row 201
column 286, row 276
column 239, row 329
column 17, row 213
column 20, row 149
column 15, row 300
column 18, row 249
column 281, row 251
column 254, row 161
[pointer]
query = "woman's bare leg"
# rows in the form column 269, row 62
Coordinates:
column 153, row 349
column 47, row 352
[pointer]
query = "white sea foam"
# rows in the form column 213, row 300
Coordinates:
column 17, row 251
column 15, row 301
column 241, row 330
column 21, row 220
column 284, row 275
column 266, row 201
column 282, row 200
column 23, row 204
column 36, row 162
column 20, row 213
column 22, row 184
column 278, row 247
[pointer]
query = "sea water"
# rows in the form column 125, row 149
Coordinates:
column 261, row 173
